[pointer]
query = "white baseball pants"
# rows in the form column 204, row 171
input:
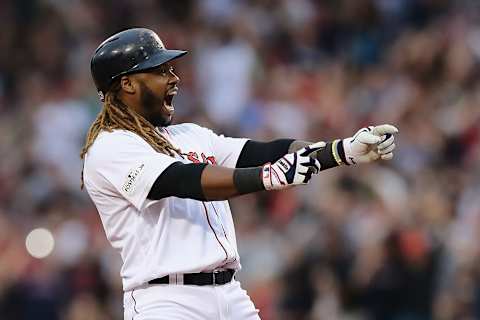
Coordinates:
column 188, row 302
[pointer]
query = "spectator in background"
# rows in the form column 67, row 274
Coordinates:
column 224, row 70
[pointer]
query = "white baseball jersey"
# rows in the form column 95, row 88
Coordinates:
column 163, row 237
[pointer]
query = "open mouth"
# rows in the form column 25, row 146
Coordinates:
column 168, row 101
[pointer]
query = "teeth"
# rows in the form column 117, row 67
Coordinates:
column 168, row 107
column 172, row 91
column 169, row 97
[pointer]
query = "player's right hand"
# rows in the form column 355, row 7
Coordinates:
column 292, row 169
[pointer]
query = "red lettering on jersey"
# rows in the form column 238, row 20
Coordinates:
column 210, row 159
column 193, row 156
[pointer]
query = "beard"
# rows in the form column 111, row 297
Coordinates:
column 153, row 108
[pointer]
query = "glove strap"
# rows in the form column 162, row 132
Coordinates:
column 267, row 178
column 336, row 144
column 273, row 178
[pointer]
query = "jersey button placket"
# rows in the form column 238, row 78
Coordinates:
column 231, row 253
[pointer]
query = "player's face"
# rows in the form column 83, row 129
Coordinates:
column 157, row 90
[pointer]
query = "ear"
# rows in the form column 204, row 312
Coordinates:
column 128, row 84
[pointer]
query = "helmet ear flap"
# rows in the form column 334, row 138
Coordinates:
column 129, row 51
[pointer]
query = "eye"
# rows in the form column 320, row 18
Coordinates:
column 165, row 70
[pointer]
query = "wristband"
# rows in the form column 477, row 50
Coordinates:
column 335, row 152
column 248, row 180
column 325, row 157
column 341, row 152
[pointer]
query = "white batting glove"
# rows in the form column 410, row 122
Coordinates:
column 370, row 144
column 292, row 169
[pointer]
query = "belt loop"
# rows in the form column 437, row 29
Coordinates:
column 180, row 278
column 172, row 278
column 217, row 274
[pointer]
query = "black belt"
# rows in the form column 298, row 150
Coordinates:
column 198, row 279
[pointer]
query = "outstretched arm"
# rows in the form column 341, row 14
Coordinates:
column 379, row 139
column 256, row 153
column 206, row 182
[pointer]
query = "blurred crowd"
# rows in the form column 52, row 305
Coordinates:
column 388, row 241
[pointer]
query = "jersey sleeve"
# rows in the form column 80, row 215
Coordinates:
column 225, row 149
column 124, row 164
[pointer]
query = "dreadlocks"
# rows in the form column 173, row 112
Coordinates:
column 116, row 115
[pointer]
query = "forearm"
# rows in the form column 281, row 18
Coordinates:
column 256, row 153
column 205, row 182
column 297, row 145
column 366, row 145
column 331, row 156
column 220, row 183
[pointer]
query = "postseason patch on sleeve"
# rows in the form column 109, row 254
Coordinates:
column 129, row 185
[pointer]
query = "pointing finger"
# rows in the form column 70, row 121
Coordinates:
column 384, row 129
column 386, row 150
column 387, row 156
column 316, row 167
column 312, row 164
column 386, row 143
column 368, row 138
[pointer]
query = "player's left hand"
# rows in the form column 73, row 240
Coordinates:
column 370, row 144
column 292, row 169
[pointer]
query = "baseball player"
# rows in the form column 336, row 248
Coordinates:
column 161, row 190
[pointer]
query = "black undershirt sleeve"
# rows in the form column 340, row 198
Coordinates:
column 184, row 181
column 256, row 153
column 325, row 156
column 179, row 180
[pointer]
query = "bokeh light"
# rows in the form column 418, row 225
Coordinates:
column 40, row 243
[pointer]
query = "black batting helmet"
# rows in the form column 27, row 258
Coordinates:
column 129, row 51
